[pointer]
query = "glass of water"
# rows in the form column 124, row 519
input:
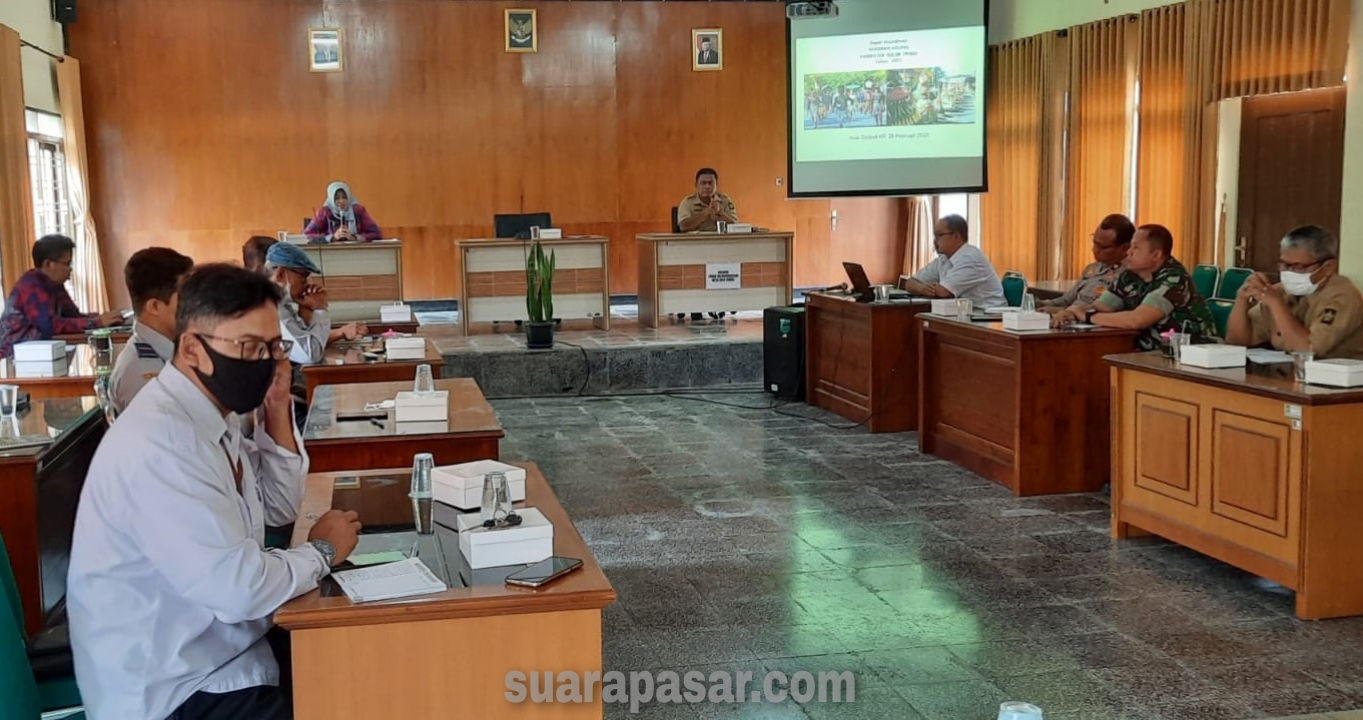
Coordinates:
column 1177, row 342
column 422, row 493
column 1019, row 711
column 496, row 497
column 1028, row 302
column 9, row 400
column 425, row 381
column 964, row 307
column 1299, row 360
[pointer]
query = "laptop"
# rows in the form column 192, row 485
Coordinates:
column 861, row 285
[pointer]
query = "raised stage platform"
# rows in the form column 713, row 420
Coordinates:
column 627, row 358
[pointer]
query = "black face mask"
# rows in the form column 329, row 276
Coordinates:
column 240, row 385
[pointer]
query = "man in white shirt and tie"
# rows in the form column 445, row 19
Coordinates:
column 170, row 591
column 960, row 269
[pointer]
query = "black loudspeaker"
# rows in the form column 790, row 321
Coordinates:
column 64, row 11
column 783, row 352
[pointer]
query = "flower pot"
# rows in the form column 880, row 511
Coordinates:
column 539, row 335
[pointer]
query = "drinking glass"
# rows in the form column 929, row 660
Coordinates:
column 425, row 382
column 1019, row 711
column 721, row 226
column 9, row 400
column 964, row 307
column 534, row 232
column 1177, row 342
column 882, row 293
column 496, row 497
column 1299, row 360
column 1028, row 302
column 422, row 493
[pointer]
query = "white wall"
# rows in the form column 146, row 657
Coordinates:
column 1350, row 222
column 33, row 20
column 1228, row 172
column 1013, row 19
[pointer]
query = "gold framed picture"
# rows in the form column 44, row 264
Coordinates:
column 324, row 50
column 522, row 36
column 707, row 44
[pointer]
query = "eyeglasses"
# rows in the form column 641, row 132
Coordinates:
column 255, row 348
column 940, row 235
column 1302, row 267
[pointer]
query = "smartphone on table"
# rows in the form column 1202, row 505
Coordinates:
column 543, row 572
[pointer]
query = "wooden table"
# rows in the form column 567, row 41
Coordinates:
column 861, row 359
column 674, row 272
column 493, row 288
column 1028, row 410
column 1247, row 466
column 360, row 277
column 79, row 380
column 471, row 433
column 344, row 365
column 19, row 491
column 421, row 657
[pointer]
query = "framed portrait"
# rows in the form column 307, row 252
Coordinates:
column 324, row 50
column 707, row 49
column 522, row 36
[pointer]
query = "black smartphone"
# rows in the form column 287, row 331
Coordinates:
column 542, row 572
column 362, row 416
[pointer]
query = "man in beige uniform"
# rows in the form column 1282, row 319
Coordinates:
column 703, row 210
column 1313, row 308
column 1110, row 242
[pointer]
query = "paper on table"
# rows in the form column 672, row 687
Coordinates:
column 386, row 582
column 1267, row 357
column 375, row 558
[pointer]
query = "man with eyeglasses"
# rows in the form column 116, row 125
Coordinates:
column 170, row 590
column 1110, row 242
column 303, row 314
column 39, row 306
column 960, row 269
column 1311, row 309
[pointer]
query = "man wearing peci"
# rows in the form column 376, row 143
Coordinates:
column 1154, row 293
column 1111, row 241
column 39, row 306
column 707, row 55
column 170, row 589
column 960, row 269
column 153, row 277
column 1312, row 309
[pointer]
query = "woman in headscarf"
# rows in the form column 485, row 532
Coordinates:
column 342, row 218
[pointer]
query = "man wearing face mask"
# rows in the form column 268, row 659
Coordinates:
column 170, row 591
column 1312, row 308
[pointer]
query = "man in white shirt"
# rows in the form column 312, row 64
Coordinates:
column 170, row 592
column 303, row 314
column 152, row 275
column 960, row 270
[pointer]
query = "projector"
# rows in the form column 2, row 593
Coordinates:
column 797, row 9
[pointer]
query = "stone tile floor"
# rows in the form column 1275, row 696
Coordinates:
column 750, row 539
column 445, row 332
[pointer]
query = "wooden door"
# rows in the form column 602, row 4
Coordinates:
column 1291, row 170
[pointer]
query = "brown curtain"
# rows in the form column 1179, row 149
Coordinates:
column 1097, row 180
column 1163, row 133
column 87, row 279
column 918, row 240
column 16, row 201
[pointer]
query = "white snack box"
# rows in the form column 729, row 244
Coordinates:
column 1335, row 373
column 422, row 407
column 406, row 348
column 40, row 351
column 42, row 368
column 944, row 307
column 529, row 542
column 395, row 313
column 1026, row 321
column 1213, row 356
column 461, row 485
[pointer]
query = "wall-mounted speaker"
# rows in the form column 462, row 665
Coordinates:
column 64, row 11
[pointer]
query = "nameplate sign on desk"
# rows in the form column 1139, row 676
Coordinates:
column 723, row 276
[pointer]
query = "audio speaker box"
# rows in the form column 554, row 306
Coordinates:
column 783, row 352
column 64, row 11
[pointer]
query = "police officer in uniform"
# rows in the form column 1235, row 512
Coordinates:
column 153, row 276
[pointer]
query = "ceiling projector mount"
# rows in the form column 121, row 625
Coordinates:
column 800, row 9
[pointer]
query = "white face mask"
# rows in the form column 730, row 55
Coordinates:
column 1297, row 283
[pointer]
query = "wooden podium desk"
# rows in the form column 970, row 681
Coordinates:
column 471, row 432
column 448, row 654
column 493, row 288
column 1028, row 410
column 79, row 380
column 359, row 276
column 346, row 364
column 673, row 272
column 1247, row 466
column 861, row 359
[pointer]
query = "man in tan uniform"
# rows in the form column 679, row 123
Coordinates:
column 703, row 210
column 1313, row 308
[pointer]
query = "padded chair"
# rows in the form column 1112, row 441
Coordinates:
column 1204, row 279
column 24, row 697
column 1014, row 287
column 675, row 227
column 1221, row 313
column 1231, row 280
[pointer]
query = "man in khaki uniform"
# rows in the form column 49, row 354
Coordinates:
column 703, row 210
column 1313, row 308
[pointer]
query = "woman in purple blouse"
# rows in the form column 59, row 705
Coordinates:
column 342, row 219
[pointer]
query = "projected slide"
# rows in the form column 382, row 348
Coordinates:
column 894, row 95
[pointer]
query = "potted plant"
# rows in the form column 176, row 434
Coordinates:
column 539, row 298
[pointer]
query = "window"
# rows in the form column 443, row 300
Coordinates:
column 957, row 204
column 47, row 170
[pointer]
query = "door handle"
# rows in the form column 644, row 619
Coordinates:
column 1241, row 248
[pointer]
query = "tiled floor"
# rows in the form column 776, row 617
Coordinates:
column 750, row 539
column 445, row 332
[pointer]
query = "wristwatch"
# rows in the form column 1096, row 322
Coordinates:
column 1089, row 313
column 327, row 549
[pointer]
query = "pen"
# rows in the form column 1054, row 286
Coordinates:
column 376, row 423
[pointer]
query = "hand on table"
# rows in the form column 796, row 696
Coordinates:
column 341, row 528
column 112, row 318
